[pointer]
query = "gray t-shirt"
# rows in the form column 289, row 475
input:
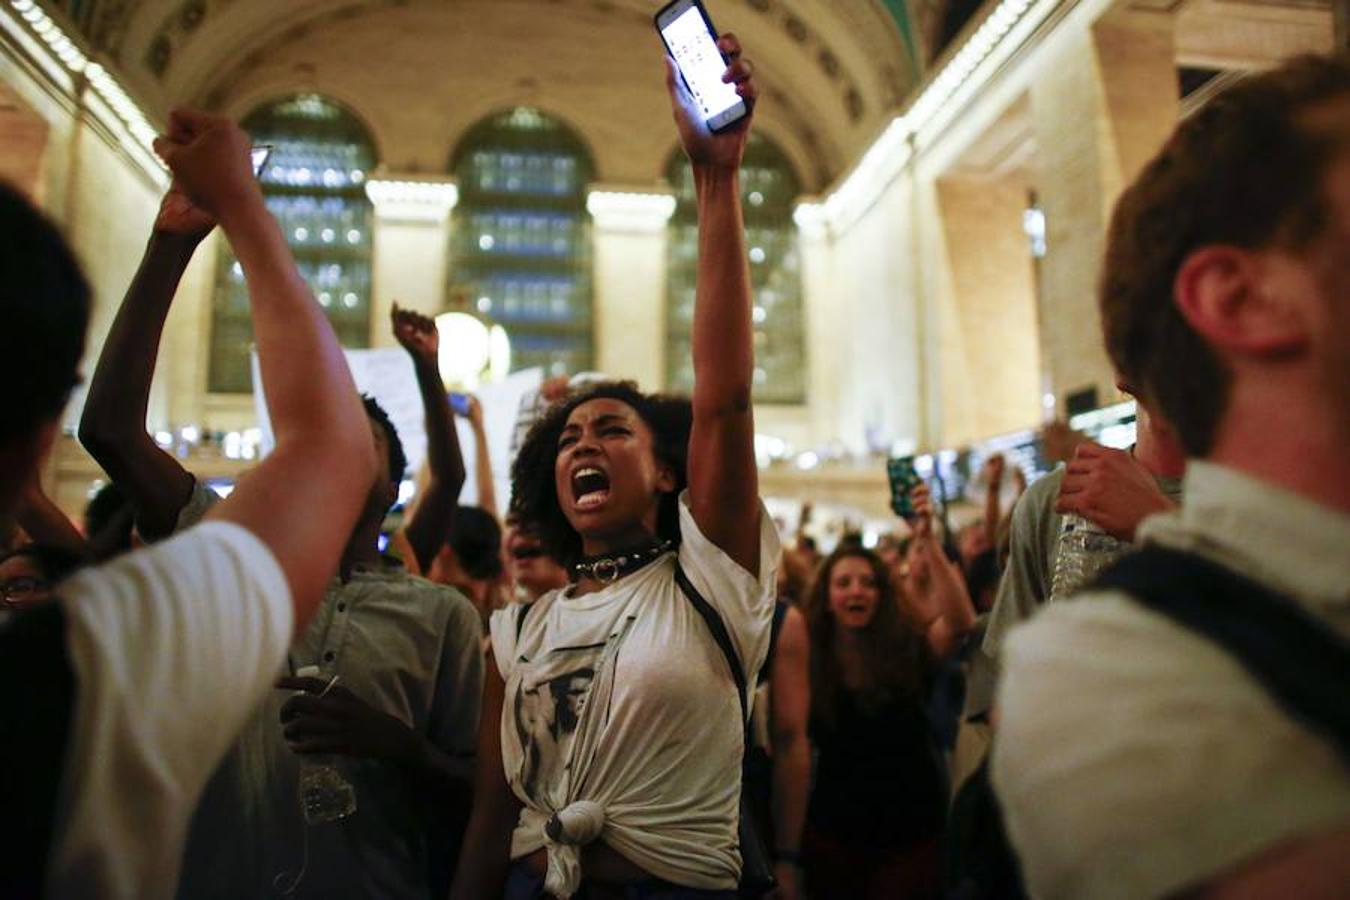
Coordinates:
column 1025, row 585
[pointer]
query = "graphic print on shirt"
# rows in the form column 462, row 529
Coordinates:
column 547, row 710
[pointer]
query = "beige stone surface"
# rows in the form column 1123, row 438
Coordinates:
column 921, row 328
column 990, row 364
column 630, row 304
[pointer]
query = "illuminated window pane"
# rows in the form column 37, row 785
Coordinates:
column 768, row 190
column 314, row 184
column 520, row 246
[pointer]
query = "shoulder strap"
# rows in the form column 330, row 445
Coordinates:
column 520, row 618
column 1297, row 659
column 719, row 633
column 37, row 700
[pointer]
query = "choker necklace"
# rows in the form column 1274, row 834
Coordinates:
column 608, row 568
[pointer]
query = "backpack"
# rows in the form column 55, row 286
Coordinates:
column 1299, row 661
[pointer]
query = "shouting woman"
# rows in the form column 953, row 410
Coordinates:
column 612, row 735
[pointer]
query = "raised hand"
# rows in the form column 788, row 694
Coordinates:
column 475, row 415
column 416, row 333
column 210, row 160
column 180, row 217
column 1110, row 488
column 921, row 501
column 993, row 471
column 704, row 148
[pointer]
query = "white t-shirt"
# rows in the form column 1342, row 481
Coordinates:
column 622, row 698
column 171, row 649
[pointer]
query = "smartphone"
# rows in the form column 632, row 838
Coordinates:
column 260, row 154
column 691, row 41
column 903, row 479
column 459, row 403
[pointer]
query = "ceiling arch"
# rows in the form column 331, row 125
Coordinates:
column 421, row 71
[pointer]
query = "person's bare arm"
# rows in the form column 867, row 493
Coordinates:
column 45, row 524
column 934, row 597
column 993, row 497
column 723, row 479
column 303, row 500
column 487, row 487
column 429, row 524
column 486, row 853
column 1313, row 868
column 112, row 426
column 790, row 708
column 330, row 719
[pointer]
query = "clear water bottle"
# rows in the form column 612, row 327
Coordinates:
column 325, row 793
column 1084, row 550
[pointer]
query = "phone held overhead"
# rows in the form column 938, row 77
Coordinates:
column 904, row 479
column 691, row 41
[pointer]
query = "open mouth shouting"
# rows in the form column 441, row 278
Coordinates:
column 590, row 487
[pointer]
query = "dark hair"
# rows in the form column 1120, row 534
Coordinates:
column 534, row 494
column 476, row 539
column 398, row 460
column 1241, row 171
column 892, row 653
column 982, row 575
column 55, row 562
column 43, row 316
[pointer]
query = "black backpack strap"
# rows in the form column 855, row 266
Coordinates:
column 1301, row 662
column 520, row 618
column 37, row 700
column 779, row 614
column 719, row 633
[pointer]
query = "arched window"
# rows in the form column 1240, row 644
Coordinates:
column 520, row 242
column 769, row 188
column 314, row 183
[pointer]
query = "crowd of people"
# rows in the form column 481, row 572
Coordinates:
column 626, row 684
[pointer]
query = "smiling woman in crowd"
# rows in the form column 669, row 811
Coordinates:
column 877, row 805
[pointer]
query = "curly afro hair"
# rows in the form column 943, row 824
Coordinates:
column 534, row 493
column 398, row 460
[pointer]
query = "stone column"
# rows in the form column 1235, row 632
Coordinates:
column 411, row 244
column 630, row 283
column 1111, row 102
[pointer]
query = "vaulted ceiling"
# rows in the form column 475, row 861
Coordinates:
column 421, row 72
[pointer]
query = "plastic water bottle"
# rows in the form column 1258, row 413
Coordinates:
column 325, row 793
column 1084, row 550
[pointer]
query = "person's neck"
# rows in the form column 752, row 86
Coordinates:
column 627, row 539
column 1296, row 446
column 363, row 549
column 1157, row 448
column 848, row 650
column 610, row 545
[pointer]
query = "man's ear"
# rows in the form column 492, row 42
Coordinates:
column 1233, row 298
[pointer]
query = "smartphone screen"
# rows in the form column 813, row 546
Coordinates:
column 689, row 36
column 260, row 154
column 459, row 403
